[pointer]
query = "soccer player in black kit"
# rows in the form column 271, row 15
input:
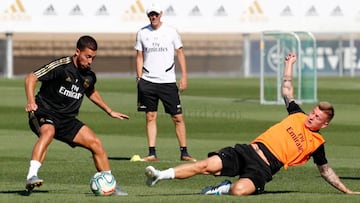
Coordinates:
column 53, row 111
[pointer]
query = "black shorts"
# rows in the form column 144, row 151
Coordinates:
column 150, row 93
column 65, row 128
column 243, row 161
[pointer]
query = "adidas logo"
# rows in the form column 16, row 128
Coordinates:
column 76, row 11
column 138, row 8
column 15, row 12
column 16, row 7
column 337, row 12
column 170, row 11
column 254, row 13
column 255, row 9
column 221, row 11
column 102, row 11
column 312, row 11
column 195, row 11
column 135, row 12
column 286, row 11
column 50, row 10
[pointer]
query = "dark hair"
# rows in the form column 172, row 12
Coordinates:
column 86, row 42
column 327, row 108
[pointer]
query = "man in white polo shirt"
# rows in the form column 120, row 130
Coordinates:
column 155, row 45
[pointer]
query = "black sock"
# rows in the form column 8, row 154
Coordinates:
column 183, row 151
column 152, row 151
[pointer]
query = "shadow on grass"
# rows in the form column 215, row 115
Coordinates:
column 278, row 192
column 23, row 192
column 196, row 193
column 119, row 158
column 172, row 194
column 350, row 178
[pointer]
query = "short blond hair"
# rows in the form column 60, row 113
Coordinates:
column 327, row 108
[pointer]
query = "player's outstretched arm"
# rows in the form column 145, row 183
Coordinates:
column 95, row 97
column 287, row 85
column 330, row 176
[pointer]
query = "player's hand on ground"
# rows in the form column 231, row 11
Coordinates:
column 290, row 58
column 353, row 192
column 118, row 115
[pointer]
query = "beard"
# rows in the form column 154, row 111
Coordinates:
column 80, row 65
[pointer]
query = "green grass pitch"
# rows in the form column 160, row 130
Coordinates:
column 219, row 112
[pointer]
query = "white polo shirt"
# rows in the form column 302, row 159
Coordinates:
column 158, row 47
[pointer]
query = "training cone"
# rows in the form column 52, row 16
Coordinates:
column 136, row 158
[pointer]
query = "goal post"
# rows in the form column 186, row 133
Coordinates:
column 274, row 47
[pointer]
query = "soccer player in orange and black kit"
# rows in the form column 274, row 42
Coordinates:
column 290, row 142
column 53, row 111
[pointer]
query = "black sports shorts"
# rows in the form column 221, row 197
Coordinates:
column 65, row 128
column 242, row 160
column 150, row 93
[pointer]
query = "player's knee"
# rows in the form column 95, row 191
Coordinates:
column 96, row 144
column 202, row 167
column 151, row 116
column 240, row 192
column 178, row 118
column 241, row 189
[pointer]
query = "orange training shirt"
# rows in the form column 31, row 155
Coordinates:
column 290, row 141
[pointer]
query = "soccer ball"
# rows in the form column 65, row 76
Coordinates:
column 102, row 183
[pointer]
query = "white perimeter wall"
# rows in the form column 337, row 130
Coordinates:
column 192, row 16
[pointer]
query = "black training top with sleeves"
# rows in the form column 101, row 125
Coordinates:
column 63, row 87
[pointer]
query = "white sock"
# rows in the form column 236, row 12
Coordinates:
column 33, row 169
column 167, row 174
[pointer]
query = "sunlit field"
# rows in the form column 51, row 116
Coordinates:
column 218, row 112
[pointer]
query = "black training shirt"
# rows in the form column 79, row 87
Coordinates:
column 63, row 87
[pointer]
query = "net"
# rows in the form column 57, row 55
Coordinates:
column 274, row 47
